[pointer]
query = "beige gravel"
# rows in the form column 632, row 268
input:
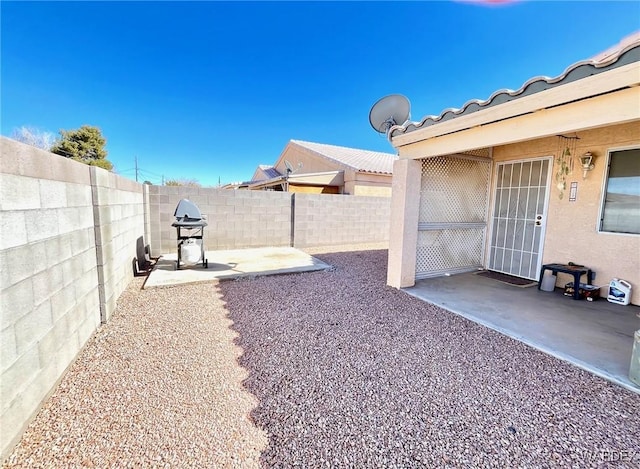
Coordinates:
column 158, row 386
column 351, row 373
column 339, row 371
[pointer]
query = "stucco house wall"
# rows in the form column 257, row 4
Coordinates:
column 311, row 163
column 356, row 165
column 595, row 100
column 367, row 184
column 572, row 227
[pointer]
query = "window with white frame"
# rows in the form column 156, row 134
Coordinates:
column 621, row 204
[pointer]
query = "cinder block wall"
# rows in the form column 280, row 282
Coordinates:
column 244, row 219
column 324, row 220
column 119, row 219
column 68, row 236
column 236, row 218
column 49, row 300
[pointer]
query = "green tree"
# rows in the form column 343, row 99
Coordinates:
column 85, row 145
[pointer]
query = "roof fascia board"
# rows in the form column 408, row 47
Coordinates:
column 313, row 152
column 377, row 173
column 610, row 109
column 617, row 78
column 335, row 178
column 256, row 174
column 267, row 182
column 320, row 173
column 282, row 155
column 329, row 175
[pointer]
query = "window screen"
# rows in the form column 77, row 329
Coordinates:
column 621, row 209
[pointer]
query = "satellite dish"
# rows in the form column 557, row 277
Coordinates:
column 289, row 167
column 389, row 111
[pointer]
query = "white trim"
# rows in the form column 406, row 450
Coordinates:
column 543, row 233
column 617, row 107
column 603, row 191
column 487, row 216
column 605, row 82
column 460, row 156
column 447, row 272
column 543, row 228
column 423, row 226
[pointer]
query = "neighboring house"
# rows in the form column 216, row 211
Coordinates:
column 265, row 171
column 500, row 184
column 325, row 169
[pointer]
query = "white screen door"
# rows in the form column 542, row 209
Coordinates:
column 519, row 217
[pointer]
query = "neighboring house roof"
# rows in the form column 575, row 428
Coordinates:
column 624, row 53
column 323, row 178
column 353, row 158
column 269, row 171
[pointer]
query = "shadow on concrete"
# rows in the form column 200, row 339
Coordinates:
column 596, row 336
column 233, row 264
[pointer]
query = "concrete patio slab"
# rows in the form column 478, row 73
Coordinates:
column 595, row 336
column 232, row 264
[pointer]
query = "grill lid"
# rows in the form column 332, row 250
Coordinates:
column 188, row 214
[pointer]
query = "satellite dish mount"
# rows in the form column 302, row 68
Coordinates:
column 389, row 111
column 289, row 167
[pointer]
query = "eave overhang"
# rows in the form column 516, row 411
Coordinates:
column 602, row 84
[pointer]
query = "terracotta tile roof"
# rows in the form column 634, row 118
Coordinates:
column 354, row 158
column 625, row 52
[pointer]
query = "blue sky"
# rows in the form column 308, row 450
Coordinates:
column 209, row 90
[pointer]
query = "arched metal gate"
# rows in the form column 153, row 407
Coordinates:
column 454, row 197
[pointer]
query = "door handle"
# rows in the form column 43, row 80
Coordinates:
column 539, row 220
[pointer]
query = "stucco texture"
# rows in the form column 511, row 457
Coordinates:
column 572, row 226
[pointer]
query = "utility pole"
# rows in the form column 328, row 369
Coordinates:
column 136, row 168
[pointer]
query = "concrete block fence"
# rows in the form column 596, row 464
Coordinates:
column 325, row 220
column 236, row 218
column 68, row 236
column 244, row 219
column 67, row 239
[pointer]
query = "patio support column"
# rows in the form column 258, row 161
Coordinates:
column 403, row 232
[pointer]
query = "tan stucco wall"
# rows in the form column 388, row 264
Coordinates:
column 314, row 189
column 259, row 175
column 371, row 191
column 311, row 163
column 572, row 227
column 355, row 183
column 403, row 229
column 367, row 184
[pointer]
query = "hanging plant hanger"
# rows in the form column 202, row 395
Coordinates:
column 564, row 161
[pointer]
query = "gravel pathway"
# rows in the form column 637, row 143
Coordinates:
column 326, row 369
column 158, row 386
column 349, row 372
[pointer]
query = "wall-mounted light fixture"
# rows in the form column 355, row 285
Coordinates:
column 586, row 161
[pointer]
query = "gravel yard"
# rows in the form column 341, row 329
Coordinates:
column 320, row 369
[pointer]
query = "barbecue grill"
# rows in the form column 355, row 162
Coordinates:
column 190, row 237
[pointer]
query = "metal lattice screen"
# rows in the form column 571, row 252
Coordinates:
column 451, row 250
column 453, row 214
